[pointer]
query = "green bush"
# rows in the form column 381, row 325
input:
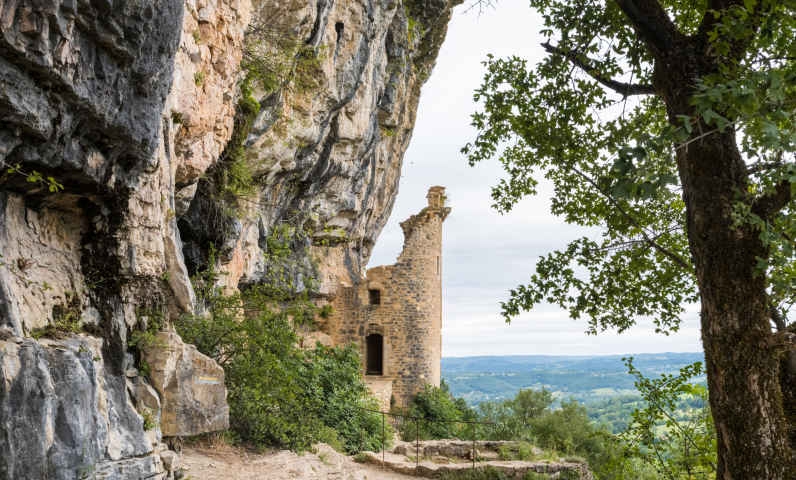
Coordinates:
column 361, row 457
column 335, row 384
column 437, row 403
column 329, row 436
column 569, row 431
column 278, row 394
column 513, row 417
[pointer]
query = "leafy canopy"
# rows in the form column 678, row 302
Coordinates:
column 587, row 120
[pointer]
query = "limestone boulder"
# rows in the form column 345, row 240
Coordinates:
column 191, row 388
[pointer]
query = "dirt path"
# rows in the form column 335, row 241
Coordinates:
column 231, row 463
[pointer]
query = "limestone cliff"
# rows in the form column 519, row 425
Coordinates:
column 126, row 105
column 330, row 160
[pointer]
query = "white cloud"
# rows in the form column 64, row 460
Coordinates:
column 485, row 253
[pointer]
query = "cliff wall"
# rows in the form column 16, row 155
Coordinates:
column 110, row 114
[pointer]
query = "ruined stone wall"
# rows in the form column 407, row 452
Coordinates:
column 409, row 316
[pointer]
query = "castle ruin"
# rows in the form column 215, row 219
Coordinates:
column 394, row 314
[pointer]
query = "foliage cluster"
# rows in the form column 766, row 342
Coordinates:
column 528, row 416
column 150, row 419
column 274, row 58
column 150, row 323
column 278, row 394
column 415, row 31
column 65, row 319
column 687, row 449
column 229, row 181
column 436, row 403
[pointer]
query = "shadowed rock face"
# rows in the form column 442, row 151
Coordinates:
column 126, row 104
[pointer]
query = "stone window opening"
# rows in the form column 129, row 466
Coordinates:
column 438, row 265
column 375, row 297
column 374, row 353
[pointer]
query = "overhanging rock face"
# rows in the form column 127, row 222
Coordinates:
column 125, row 105
column 191, row 386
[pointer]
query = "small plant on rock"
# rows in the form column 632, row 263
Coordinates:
column 200, row 78
column 150, row 419
column 150, row 323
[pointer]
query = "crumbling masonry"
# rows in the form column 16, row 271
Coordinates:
column 394, row 314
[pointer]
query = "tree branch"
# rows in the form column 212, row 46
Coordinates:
column 582, row 62
column 652, row 23
column 759, row 167
column 783, row 328
column 765, row 205
column 679, row 261
column 780, row 341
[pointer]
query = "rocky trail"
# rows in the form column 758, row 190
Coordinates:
column 224, row 462
column 438, row 458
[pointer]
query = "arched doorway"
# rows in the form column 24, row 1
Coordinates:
column 374, row 344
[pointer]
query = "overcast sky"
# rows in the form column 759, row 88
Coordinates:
column 484, row 253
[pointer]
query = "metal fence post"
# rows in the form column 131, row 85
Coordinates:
column 417, row 447
column 473, row 449
column 383, row 462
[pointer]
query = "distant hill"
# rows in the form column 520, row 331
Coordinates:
column 589, row 363
column 588, row 378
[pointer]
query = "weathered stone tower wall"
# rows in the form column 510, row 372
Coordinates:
column 395, row 313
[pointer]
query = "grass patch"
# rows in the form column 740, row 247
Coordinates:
column 200, row 78
column 65, row 319
column 324, row 457
column 488, row 473
column 575, row 459
column 361, row 457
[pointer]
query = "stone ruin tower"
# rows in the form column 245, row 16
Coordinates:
column 394, row 314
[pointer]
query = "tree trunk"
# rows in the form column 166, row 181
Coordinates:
column 743, row 377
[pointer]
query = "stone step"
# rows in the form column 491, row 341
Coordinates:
column 516, row 469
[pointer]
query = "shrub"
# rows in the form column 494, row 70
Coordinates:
column 150, row 419
column 570, row 432
column 334, row 382
column 513, row 417
column 361, row 457
column 437, row 403
column 329, row 436
column 278, row 394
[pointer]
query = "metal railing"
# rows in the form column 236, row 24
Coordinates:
column 417, row 433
